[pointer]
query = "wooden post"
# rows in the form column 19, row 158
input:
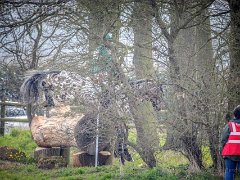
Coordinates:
column 2, row 123
column 29, row 113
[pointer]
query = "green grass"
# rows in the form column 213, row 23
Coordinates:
column 171, row 165
column 30, row 171
column 21, row 140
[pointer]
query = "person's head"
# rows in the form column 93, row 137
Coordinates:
column 108, row 37
column 236, row 112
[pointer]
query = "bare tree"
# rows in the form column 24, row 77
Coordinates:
column 234, row 78
column 143, row 113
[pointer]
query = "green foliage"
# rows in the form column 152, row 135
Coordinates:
column 21, row 140
column 170, row 158
column 12, row 154
column 207, row 160
column 132, row 135
column 144, row 173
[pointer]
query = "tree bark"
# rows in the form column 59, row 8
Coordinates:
column 234, row 77
column 205, row 76
column 143, row 113
column 56, row 131
column 181, row 50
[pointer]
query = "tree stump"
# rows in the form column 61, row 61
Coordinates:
column 41, row 152
column 82, row 158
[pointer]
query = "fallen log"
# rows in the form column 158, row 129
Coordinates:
column 55, row 131
column 62, row 129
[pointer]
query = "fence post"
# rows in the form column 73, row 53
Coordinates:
column 2, row 123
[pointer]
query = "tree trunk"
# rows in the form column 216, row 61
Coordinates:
column 181, row 51
column 143, row 113
column 35, row 50
column 234, row 77
column 205, row 76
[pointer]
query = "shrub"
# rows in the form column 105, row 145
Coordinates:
column 12, row 154
column 22, row 141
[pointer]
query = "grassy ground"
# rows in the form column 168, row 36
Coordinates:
column 171, row 165
column 30, row 171
column 21, row 140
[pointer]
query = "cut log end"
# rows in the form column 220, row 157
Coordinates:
column 82, row 158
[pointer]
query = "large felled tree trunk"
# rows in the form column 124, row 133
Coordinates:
column 143, row 113
column 55, row 131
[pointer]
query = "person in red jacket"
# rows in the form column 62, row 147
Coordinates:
column 231, row 145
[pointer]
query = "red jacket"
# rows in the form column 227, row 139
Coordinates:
column 232, row 147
